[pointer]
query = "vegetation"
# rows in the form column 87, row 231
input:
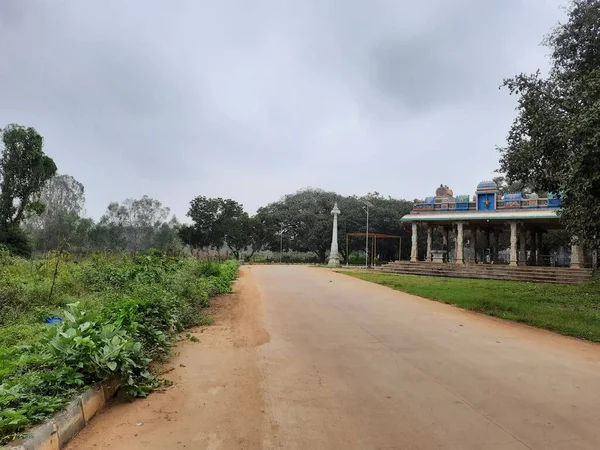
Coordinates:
column 299, row 222
column 24, row 169
column 118, row 314
column 554, row 142
column 572, row 310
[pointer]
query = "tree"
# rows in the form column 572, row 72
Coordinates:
column 63, row 199
column 134, row 221
column 509, row 187
column 24, row 169
column 554, row 143
column 307, row 221
column 166, row 237
column 217, row 222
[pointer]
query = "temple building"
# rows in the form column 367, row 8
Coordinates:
column 524, row 217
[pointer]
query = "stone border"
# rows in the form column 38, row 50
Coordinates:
column 64, row 426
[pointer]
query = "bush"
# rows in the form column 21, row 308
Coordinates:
column 16, row 241
column 122, row 313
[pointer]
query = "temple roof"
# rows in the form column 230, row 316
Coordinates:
column 457, row 216
column 487, row 186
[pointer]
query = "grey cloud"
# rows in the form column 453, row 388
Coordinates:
column 253, row 100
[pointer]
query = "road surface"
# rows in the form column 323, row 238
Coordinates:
column 303, row 358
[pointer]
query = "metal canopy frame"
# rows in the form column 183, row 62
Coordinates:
column 373, row 246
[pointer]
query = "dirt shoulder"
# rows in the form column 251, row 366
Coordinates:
column 216, row 400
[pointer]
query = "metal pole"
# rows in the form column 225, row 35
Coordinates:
column 367, row 242
column 281, row 244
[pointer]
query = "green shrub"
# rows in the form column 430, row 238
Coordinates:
column 99, row 352
column 15, row 240
column 128, row 311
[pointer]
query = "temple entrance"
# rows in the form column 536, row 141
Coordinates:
column 491, row 228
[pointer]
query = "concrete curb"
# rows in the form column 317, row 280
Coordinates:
column 57, row 431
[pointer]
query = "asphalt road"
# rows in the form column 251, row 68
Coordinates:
column 304, row 358
column 356, row 365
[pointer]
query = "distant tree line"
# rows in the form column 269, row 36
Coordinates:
column 299, row 222
column 41, row 210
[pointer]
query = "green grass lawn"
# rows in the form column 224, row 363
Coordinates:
column 572, row 310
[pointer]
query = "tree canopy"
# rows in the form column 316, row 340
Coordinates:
column 554, row 142
column 24, row 170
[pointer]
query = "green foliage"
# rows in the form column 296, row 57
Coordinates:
column 573, row 310
column 122, row 312
column 24, row 169
column 218, row 221
column 99, row 352
column 305, row 218
column 554, row 142
column 15, row 240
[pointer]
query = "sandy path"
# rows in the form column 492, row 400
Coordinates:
column 352, row 365
column 216, row 400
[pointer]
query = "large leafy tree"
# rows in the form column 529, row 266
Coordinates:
column 305, row 217
column 63, row 199
column 24, row 170
column 217, row 222
column 554, row 143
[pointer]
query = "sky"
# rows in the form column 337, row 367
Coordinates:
column 252, row 100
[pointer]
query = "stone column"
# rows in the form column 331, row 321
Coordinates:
column 539, row 248
column 488, row 244
column 534, row 252
column 446, row 242
column 429, row 241
column 522, row 246
column 414, row 243
column 474, row 244
column 334, row 257
column 493, row 244
column 513, row 244
column 460, row 259
column 576, row 257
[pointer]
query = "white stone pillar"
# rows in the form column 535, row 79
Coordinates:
column 576, row 257
column 460, row 258
column 414, row 243
column 334, row 257
column 522, row 246
column 513, row 244
column 429, row 242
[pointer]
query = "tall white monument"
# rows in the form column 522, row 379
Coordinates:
column 334, row 257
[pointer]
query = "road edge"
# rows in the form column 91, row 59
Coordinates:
column 56, row 432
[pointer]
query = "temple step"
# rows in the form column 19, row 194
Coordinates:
column 493, row 272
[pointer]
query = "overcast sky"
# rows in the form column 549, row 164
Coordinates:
column 255, row 99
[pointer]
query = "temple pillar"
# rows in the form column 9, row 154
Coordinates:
column 539, row 248
column 446, row 242
column 460, row 259
column 493, row 246
column 429, row 256
column 513, row 244
column 414, row 243
column 474, row 244
column 576, row 257
column 488, row 243
column 522, row 246
column 534, row 252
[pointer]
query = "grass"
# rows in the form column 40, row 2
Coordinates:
column 572, row 310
